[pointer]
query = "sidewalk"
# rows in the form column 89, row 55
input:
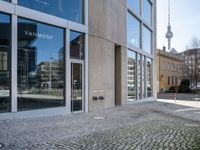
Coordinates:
column 142, row 126
column 181, row 102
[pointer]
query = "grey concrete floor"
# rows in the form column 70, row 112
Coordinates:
column 150, row 125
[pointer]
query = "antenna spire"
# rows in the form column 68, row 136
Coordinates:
column 169, row 33
column 169, row 12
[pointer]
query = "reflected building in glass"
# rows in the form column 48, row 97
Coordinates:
column 143, row 12
column 5, row 67
column 60, row 57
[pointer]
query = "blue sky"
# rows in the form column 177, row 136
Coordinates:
column 185, row 22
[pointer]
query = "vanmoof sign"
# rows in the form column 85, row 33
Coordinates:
column 38, row 35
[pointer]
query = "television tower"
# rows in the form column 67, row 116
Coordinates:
column 169, row 33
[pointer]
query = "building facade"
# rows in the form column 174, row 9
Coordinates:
column 169, row 67
column 75, row 56
column 191, row 66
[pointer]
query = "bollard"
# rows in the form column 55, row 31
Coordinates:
column 196, row 98
column 175, row 97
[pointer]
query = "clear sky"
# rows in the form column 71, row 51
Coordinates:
column 185, row 22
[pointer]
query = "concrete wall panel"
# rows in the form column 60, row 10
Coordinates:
column 107, row 28
column 107, row 20
column 101, row 73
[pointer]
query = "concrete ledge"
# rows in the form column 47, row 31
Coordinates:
column 34, row 113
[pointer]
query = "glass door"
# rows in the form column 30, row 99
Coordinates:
column 77, row 93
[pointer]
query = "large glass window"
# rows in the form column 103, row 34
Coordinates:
column 40, row 65
column 5, row 48
column 143, row 76
column 134, row 5
column 149, row 77
column 77, row 55
column 139, row 59
column 146, row 11
column 76, row 45
column 131, row 76
column 76, row 87
column 147, row 41
column 133, row 30
column 67, row 9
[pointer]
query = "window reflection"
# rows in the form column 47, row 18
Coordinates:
column 149, row 77
column 67, row 9
column 76, row 87
column 77, row 53
column 147, row 40
column 139, row 58
column 7, row 0
column 131, row 76
column 40, row 65
column 143, row 76
column 133, row 30
column 146, row 11
column 76, row 45
column 134, row 5
column 5, row 36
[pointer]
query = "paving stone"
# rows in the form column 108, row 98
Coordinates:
column 152, row 125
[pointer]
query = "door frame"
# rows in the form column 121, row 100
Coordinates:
column 75, row 61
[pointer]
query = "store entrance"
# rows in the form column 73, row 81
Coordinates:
column 77, row 84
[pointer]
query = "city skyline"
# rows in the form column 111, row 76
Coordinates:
column 184, row 22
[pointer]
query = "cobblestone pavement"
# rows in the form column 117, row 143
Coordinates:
column 179, row 96
column 152, row 125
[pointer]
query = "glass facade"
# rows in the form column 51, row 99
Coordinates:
column 132, row 70
column 5, row 67
column 143, row 76
column 139, row 74
column 77, row 54
column 149, row 77
column 76, row 45
column 147, row 46
column 76, row 87
column 139, row 34
column 147, row 11
column 68, row 9
column 134, row 5
column 40, row 65
column 133, row 30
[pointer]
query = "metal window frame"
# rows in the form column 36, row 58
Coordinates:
column 140, row 51
column 81, row 62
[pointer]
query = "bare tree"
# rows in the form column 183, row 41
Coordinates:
column 194, row 43
column 191, row 62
